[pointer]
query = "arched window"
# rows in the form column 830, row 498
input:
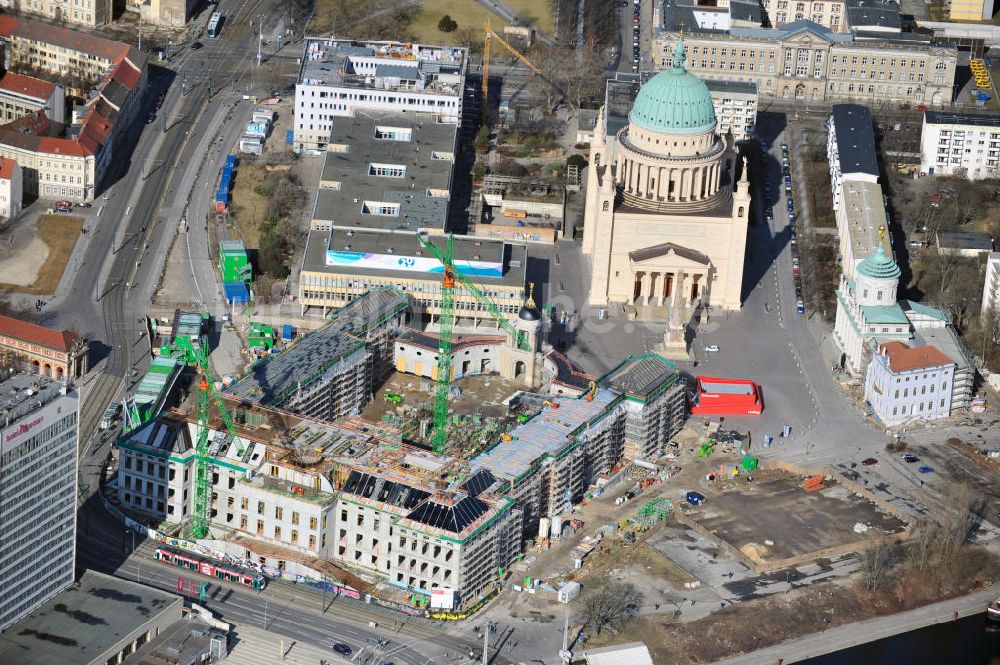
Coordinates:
column 740, row 212
column 606, row 206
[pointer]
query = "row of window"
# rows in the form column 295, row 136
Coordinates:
column 915, row 408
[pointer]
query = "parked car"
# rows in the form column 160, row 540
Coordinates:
column 151, row 118
column 712, row 348
column 62, row 204
column 159, row 101
column 84, row 204
column 869, row 461
column 926, row 469
column 910, row 458
column 342, row 649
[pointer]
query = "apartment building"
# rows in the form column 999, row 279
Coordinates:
column 831, row 14
column 960, row 144
column 331, row 372
column 38, row 482
column 87, row 13
column 71, row 166
column 22, row 95
column 858, row 201
column 806, row 61
column 11, row 188
column 336, row 78
column 908, row 384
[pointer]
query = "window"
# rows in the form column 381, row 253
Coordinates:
column 312, row 541
column 312, row 522
column 387, row 170
column 295, row 518
column 244, row 503
column 295, row 537
column 278, row 513
column 243, row 522
column 260, row 507
column 260, row 527
column 277, row 532
column 380, row 208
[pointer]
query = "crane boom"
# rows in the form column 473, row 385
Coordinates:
column 439, row 438
column 519, row 338
column 488, row 37
column 207, row 394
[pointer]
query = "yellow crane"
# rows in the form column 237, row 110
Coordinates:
column 488, row 37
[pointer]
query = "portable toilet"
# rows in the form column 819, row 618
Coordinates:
column 694, row 498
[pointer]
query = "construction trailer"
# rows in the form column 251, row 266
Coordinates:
column 153, row 393
column 233, row 262
column 726, row 397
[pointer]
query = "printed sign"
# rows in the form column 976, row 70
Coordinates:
column 424, row 264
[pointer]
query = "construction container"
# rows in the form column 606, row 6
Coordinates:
column 236, row 293
column 568, row 592
column 256, row 129
column 287, row 332
column 694, row 498
column 750, row 463
column 233, row 262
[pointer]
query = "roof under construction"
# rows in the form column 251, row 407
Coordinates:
column 271, row 379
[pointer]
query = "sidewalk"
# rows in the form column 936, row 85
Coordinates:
column 853, row 634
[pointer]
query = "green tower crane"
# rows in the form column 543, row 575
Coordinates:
column 207, row 394
column 451, row 273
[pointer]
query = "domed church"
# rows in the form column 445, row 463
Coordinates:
column 667, row 204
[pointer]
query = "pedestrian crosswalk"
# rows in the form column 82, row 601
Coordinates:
column 253, row 646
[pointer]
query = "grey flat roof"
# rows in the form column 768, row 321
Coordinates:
column 22, row 393
column 939, row 118
column 878, row 13
column 855, row 139
column 328, row 61
column 740, row 10
column 428, row 159
column 84, row 621
column 947, row 340
column 515, row 256
column 964, row 240
column 269, row 380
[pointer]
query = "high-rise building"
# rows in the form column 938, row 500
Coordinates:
column 38, row 467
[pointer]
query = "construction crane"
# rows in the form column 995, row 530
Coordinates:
column 488, row 37
column 207, row 394
column 447, row 321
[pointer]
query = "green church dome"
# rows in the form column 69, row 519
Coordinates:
column 880, row 265
column 674, row 101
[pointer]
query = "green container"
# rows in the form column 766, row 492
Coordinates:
column 750, row 463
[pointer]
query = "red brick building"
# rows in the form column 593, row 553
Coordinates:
column 57, row 354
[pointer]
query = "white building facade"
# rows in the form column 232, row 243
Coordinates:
column 11, row 188
column 908, row 384
column 38, row 483
column 991, row 285
column 336, row 78
column 960, row 144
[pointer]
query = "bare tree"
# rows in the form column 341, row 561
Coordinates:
column 608, row 604
column 876, row 561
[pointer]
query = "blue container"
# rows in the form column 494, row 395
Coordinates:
column 694, row 498
column 286, row 332
column 236, row 293
column 290, row 137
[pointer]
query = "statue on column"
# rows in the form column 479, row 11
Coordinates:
column 675, row 337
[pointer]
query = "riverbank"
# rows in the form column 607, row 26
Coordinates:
column 862, row 632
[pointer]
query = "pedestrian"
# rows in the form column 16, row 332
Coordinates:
column 657, row 607
column 722, row 605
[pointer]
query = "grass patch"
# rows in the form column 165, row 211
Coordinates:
column 59, row 233
column 469, row 15
column 537, row 13
column 248, row 207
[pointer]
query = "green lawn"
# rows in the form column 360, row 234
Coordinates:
column 469, row 14
column 537, row 12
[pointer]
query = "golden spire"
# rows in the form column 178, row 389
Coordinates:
column 529, row 302
column 881, row 232
column 682, row 31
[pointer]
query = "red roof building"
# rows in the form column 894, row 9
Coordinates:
column 27, row 86
column 57, row 354
column 7, row 167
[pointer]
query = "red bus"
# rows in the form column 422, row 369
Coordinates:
column 221, row 571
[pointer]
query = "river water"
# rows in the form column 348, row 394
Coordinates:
column 962, row 642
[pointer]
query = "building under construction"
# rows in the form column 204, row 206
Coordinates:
column 330, row 372
column 549, row 461
column 349, row 501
